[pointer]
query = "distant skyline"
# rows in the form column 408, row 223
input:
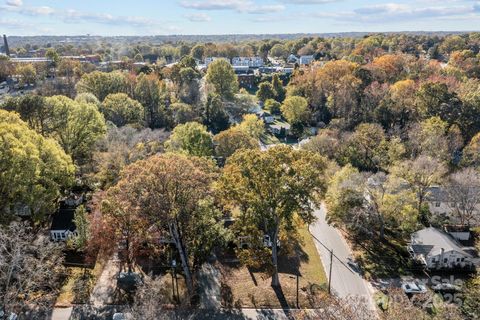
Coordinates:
column 201, row 17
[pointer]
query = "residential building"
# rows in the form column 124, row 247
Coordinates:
column 266, row 117
column 304, row 60
column 436, row 250
column 251, row 62
column 441, row 206
column 292, row 59
column 63, row 225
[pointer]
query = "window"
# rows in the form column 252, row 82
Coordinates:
column 437, row 204
column 445, row 260
column 463, row 259
column 458, row 259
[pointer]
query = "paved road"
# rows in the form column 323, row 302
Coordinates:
column 345, row 282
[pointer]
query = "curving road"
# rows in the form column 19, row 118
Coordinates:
column 345, row 281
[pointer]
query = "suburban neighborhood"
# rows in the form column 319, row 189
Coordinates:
column 239, row 175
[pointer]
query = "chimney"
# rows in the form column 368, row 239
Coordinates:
column 5, row 45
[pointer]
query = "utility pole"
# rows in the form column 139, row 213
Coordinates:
column 330, row 272
column 298, row 277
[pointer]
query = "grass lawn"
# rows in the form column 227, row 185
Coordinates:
column 78, row 285
column 243, row 287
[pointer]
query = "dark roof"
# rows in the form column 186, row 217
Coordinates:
column 421, row 249
column 63, row 219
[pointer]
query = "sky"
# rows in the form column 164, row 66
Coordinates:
column 164, row 17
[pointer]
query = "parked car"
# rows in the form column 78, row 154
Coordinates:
column 354, row 265
column 413, row 287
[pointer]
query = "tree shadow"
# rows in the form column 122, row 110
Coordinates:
column 281, row 297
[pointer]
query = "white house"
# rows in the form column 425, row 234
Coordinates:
column 251, row 62
column 266, row 117
column 436, row 250
column 304, row 60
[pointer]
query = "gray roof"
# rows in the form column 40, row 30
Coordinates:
column 431, row 241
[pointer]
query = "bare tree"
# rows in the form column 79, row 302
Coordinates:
column 30, row 271
column 463, row 192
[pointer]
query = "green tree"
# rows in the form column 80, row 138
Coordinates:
column 191, row 138
column 222, row 77
column 198, row 51
column 214, row 115
column 278, row 88
column 27, row 73
column 76, row 126
column 101, row 84
column 121, row 110
column 273, row 106
column 295, row 109
column 152, row 94
column 53, row 55
column 35, row 170
column 231, row 140
column 265, row 91
column 271, row 188
column 82, row 228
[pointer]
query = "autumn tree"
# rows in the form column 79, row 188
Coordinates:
column 27, row 73
column 35, row 170
column 191, row 138
column 172, row 192
column 121, row 110
column 252, row 126
column 222, row 77
column 231, row 140
column 271, row 188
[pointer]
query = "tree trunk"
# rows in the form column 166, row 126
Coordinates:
column 275, row 279
column 183, row 256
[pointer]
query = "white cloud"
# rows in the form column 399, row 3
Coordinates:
column 14, row 3
column 241, row 6
column 198, row 17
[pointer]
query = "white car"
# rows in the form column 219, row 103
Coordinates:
column 413, row 287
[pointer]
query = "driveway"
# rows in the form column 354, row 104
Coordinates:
column 345, row 281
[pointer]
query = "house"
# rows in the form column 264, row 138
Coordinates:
column 304, row 60
column 292, row 59
column 437, row 250
column 266, row 117
column 251, row 62
column 63, row 224
column 279, row 128
column 440, row 205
